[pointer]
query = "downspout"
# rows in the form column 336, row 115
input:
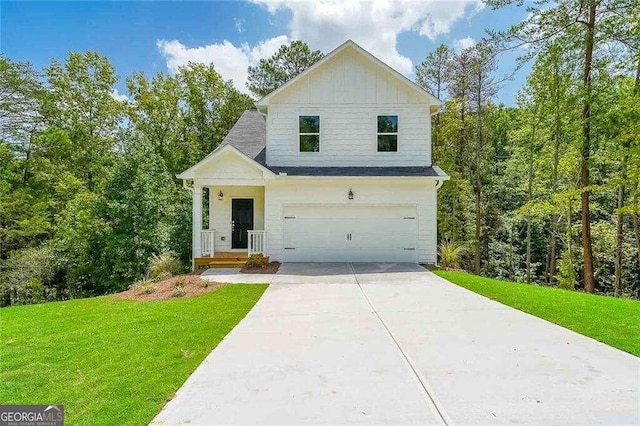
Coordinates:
column 439, row 183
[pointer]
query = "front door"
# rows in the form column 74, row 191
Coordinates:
column 241, row 222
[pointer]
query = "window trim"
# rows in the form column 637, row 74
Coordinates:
column 397, row 133
column 298, row 134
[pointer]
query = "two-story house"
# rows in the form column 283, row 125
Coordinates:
column 333, row 166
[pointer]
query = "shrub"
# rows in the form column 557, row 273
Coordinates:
column 178, row 291
column 257, row 261
column 145, row 285
column 29, row 275
column 567, row 275
column 449, row 252
column 204, row 283
column 163, row 266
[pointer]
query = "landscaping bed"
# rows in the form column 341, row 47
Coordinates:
column 270, row 268
column 178, row 286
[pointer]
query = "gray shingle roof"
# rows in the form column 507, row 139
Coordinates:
column 249, row 136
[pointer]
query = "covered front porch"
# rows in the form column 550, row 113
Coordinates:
column 228, row 224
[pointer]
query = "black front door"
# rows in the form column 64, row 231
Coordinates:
column 241, row 222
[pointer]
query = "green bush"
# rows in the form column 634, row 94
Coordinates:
column 449, row 252
column 28, row 276
column 178, row 291
column 145, row 286
column 567, row 275
column 257, row 261
column 163, row 266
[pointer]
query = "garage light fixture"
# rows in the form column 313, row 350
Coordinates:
column 220, row 196
column 350, row 194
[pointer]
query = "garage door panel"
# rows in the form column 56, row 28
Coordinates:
column 377, row 234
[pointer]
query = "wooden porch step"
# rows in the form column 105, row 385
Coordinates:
column 231, row 255
column 225, row 259
column 226, row 263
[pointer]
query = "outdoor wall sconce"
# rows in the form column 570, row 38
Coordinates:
column 220, row 196
column 350, row 194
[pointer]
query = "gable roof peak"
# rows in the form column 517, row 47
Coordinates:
column 435, row 102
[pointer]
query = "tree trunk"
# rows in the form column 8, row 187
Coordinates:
column 636, row 223
column 477, row 263
column 589, row 280
column 530, row 176
column 555, row 219
column 478, row 182
column 528, row 251
column 557, row 135
column 617, row 282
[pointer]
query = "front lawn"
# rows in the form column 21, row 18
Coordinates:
column 610, row 320
column 112, row 361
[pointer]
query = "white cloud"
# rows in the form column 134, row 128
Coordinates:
column 230, row 61
column 239, row 24
column 374, row 24
column 324, row 25
column 119, row 96
column 463, row 43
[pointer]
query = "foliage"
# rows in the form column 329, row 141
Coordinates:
column 90, row 179
column 607, row 319
column 29, row 275
column 178, row 291
column 518, row 182
column 567, row 275
column 257, row 261
column 163, row 266
column 289, row 61
column 449, row 251
column 124, row 358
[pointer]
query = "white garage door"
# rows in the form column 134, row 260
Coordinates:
column 350, row 234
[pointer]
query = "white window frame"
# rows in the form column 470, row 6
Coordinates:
column 396, row 134
column 298, row 134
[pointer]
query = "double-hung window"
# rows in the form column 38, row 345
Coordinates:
column 387, row 133
column 309, row 133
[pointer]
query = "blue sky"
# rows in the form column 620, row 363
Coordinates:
column 154, row 36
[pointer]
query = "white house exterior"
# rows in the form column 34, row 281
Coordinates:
column 334, row 166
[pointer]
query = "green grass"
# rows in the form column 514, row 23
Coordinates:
column 610, row 320
column 112, row 361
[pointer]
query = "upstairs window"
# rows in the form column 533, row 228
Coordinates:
column 309, row 133
column 387, row 133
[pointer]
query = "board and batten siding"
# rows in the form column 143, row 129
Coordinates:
column 348, row 93
column 367, row 192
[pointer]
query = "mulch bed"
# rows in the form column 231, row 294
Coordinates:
column 270, row 268
column 193, row 286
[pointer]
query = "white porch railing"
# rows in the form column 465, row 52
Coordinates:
column 207, row 241
column 257, row 242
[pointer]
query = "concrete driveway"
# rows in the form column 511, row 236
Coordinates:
column 394, row 343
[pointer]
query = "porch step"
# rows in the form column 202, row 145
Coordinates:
column 231, row 255
column 223, row 259
column 226, row 263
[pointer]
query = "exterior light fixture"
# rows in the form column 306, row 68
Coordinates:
column 350, row 194
column 220, row 196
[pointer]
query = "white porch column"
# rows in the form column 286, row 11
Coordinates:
column 197, row 220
